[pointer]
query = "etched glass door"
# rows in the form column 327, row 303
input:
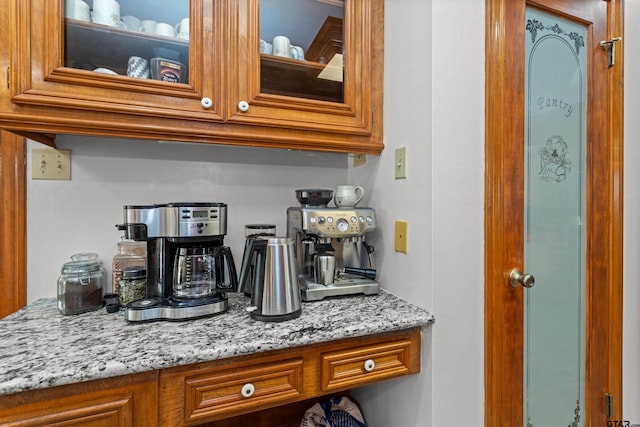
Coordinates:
column 554, row 197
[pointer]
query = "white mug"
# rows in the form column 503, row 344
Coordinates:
column 266, row 47
column 347, row 196
column 131, row 22
column 182, row 29
column 282, row 46
column 297, row 52
column 106, row 12
column 148, row 26
column 77, row 9
column 165, row 29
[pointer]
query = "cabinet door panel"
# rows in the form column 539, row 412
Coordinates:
column 61, row 72
column 301, row 93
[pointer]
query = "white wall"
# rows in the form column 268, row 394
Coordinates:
column 434, row 105
column 65, row 217
column 631, row 271
column 434, row 95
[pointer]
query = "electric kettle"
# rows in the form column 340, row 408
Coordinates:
column 275, row 295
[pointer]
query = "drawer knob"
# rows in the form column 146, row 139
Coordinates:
column 369, row 365
column 248, row 390
column 243, row 106
column 206, row 102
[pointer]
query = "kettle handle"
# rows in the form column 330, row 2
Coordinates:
column 251, row 246
column 230, row 283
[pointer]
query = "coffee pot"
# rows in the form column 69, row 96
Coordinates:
column 275, row 294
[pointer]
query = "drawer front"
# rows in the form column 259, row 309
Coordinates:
column 213, row 395
column 350, row 368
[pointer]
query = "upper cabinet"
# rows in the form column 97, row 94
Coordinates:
column 302, row 74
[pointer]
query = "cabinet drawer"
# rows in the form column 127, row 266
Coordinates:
column 350, row 368
column 215, row 394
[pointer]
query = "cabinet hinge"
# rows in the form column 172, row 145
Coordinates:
column 608, row 401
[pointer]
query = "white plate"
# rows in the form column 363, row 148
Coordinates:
column 105, row 71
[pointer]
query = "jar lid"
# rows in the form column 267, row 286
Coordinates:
column 85, row 256
column 134, row 247
column 260, row 226
column 135, row 272
column 84, row 266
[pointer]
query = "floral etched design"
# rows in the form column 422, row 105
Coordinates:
column 554, row 164
column 533, row 26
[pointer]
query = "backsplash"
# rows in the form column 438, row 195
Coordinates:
column 66, row 217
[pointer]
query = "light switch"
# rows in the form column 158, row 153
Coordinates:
column 47, row 163
column 359, row 160
column 401, row 236
column 401, row 162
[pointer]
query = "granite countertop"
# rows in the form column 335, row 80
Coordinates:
column 42, row 348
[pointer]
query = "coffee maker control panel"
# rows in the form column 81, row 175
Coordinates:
column 334, row 222
column 199, row 221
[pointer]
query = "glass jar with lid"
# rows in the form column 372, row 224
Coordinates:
column 131, row 253
column 133, row 285
column 81, row 285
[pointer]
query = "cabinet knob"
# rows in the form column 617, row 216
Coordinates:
column 206, row 102
column 243, row 106
column 369, row 365
column 248, row 390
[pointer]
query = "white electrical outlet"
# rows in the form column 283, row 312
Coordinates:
column 47, row 163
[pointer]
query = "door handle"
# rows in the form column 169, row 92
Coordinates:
column 517, row 279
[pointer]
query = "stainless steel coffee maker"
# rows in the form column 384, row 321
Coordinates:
column 189, row 270
column 332, row 255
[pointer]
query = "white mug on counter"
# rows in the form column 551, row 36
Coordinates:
column 77, row 9
column 282, row 46
column 106, row 12
column 182, row 29
column 348, row 196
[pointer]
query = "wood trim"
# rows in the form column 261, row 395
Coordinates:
column 504, row 105
column 13, row 246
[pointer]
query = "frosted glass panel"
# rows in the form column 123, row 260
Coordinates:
column 555, row 128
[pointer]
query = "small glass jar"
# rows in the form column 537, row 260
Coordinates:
column 81, row 285
column 133, row 285
column 131, row 253
column 263, row 231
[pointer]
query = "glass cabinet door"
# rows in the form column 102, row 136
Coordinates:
column 302, row 49
column 144, row 57
column 128, row 38
column 304, row 64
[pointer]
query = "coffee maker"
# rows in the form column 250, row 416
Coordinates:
column 189, row 270
column 332, row 255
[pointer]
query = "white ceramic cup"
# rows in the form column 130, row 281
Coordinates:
column 138, row 67
column 164, row 29
column 266, row 47
column 182, row 29
column 282, row 46
column 77, row 9
column 297, row 52
column 131, row 22
column 148, row 26
column 347, row 196
column 106, row 12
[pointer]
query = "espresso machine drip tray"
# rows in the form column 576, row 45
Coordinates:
column 149, row 309
column 312, row 291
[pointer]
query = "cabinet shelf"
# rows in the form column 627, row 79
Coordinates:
column 91, row 46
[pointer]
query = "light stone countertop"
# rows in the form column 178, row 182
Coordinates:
column 39, row 347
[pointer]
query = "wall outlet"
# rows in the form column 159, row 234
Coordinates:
column 359, row 160
column 401, row 163
column 401, row 236
column 47, row 163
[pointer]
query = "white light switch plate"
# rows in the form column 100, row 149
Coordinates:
column 48, row 163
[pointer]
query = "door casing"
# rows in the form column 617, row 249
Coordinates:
column 504, row 193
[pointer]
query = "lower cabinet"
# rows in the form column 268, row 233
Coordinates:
column 268, row 389
column 130, row 400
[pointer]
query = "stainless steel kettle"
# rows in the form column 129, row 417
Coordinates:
column 275, row 293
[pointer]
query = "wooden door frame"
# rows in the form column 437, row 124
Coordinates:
column 13, row 224
column 504, row 135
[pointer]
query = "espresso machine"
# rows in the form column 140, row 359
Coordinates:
column 332, row 255
column 189, row 270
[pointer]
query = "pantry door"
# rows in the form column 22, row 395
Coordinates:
column 553, row 213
